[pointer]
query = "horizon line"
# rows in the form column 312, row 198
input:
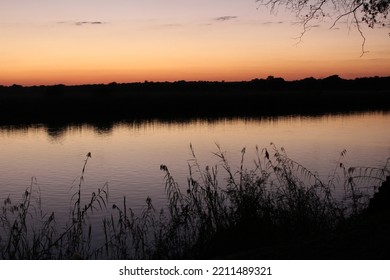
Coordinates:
column 270, row 77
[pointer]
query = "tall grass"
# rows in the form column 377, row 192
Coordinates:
column 219, row 212
column 28, row 233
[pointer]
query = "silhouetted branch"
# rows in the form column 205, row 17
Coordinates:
column 371, row 12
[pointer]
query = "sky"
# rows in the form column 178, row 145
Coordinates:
column 45, row 42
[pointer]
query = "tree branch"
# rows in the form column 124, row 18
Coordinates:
column 373, row 12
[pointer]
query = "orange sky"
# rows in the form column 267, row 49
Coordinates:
column 96, row 41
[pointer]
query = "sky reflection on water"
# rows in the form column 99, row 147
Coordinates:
column 128, row 155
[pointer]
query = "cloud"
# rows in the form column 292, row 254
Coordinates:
column 225, row 18
column 80, row 23
column 170, row 25
column 272, row 22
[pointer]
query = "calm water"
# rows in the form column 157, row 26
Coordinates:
column 127, row 156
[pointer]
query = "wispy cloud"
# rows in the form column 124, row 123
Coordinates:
column 170, row 25
column 272, row 22
column 81, row 23
column 88, row 22
column 225, row 18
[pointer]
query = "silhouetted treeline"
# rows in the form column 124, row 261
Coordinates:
column 183, row 100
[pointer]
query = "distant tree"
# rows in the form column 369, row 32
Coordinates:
column 357, row 12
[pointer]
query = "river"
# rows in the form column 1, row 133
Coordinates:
column 126, row 156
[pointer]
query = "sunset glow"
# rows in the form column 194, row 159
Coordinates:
column 78, row 42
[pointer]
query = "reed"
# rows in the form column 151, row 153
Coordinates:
column 221, row 211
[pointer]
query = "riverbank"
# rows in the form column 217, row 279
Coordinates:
column 362, row 237
column 278, row 210
column 189, row 100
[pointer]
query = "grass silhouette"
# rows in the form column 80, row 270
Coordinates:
column 278, row 209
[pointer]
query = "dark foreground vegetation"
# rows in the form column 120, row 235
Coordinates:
column 277, row 210
column 183, row 100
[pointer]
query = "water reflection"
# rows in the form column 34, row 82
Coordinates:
column 103, row 128
column 59, row 129
column 56, row 132
column 127, row 154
